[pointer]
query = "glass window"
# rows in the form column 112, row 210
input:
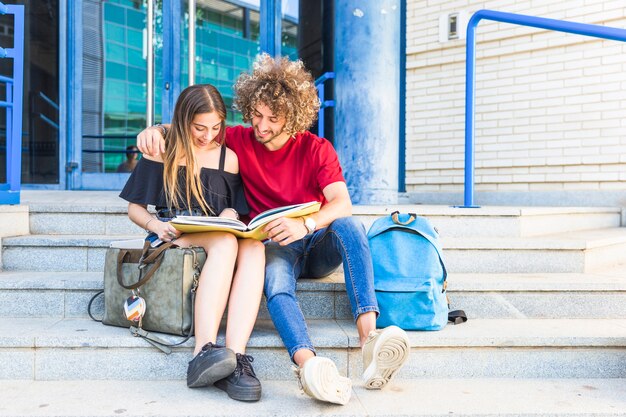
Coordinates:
column 114, row 13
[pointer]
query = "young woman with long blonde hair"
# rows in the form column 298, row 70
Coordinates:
column 198, row 175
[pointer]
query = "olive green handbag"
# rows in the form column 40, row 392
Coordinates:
column 164, row 278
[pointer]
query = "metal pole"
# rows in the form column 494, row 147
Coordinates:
column 192, row 42
column 470, row 91
column 320, row 117
column 150, row 63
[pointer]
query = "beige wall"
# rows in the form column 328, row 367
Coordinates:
column 550, row 107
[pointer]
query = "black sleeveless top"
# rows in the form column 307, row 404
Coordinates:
column 221, row 189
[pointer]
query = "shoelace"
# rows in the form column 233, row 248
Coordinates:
column 244, row 364
column 207, row 348
column 297, row 371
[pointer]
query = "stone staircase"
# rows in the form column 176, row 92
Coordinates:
column 545, row 290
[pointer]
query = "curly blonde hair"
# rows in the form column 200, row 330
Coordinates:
column 285, row 86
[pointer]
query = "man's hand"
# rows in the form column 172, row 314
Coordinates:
column 150, row 141
column 285, row 230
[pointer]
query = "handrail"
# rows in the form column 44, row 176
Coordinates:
column 470, row 69
column 10, row 191
column 35, row 113
column 319, row 83
column 48, row 100
column 109, row 136
column 109, row 151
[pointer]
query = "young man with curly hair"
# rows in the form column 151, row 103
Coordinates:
column 281, row 163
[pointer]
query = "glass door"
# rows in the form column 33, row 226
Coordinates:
column 115, row 73
column 122, row 92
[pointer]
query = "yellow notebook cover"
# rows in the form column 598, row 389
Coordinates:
column 254, row 229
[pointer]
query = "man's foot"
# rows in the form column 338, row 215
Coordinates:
column 384, row 353
column 320, row 379
column 211, row 364
column 242, row 384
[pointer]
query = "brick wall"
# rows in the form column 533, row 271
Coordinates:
column 550, row 106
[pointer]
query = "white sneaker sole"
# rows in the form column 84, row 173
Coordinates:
column 390, row 353
column 324, row 383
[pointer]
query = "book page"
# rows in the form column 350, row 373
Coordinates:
column 210, row 220
column 269, row 215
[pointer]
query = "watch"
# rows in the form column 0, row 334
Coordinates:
column 310, row 224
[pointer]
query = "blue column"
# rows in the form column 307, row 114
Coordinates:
column 271, row 23
column 367, row 97
column 172, row 18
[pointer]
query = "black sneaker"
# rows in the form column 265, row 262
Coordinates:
column 242, row 384
column 211, row 364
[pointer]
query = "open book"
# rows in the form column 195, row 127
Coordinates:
column 254, row 229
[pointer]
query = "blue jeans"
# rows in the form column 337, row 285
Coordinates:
column 316, row 256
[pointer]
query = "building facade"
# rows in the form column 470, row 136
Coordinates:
column 549, row 106
column 550, row 124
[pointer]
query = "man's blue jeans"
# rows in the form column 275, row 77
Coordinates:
column 316, row 256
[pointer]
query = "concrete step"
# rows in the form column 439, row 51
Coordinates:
column 80, row 349
column 437, row 398
column 105, row 213
column 498, row 221
column 597, row 295
column 57, row 252
column 578, row 252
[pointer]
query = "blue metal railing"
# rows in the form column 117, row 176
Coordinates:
column 44, row 98
column 470, row 69
column 10, row 191
column 319, row 83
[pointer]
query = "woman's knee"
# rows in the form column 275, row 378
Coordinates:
column 251, row 248
column 221, row 243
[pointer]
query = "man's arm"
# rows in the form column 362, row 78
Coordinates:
column 286, row 230
column 151, row 141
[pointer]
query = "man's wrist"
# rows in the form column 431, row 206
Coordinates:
column 162, row 128
column 310, row 224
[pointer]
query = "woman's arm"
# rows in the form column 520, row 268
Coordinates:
column 139, row 215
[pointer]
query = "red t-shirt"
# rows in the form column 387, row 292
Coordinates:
column 296, row 173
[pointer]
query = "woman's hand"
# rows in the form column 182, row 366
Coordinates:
column 231, row 213
column 165, row 231
column 286, row 230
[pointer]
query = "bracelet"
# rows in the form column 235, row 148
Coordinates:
column 147, row 223
column 234, row 211
column 162, row 128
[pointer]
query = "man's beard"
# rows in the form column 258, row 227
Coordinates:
column 270, row 137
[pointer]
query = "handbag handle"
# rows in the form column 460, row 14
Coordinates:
column 153, row 259
column 395, row 217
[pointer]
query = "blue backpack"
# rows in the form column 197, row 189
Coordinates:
column 409, row 274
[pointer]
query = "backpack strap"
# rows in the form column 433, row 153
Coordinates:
column 396, row 219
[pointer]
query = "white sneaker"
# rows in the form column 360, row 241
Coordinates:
column 384, row 353
column 320, row 379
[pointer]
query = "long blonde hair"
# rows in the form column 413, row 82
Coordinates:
column 193, row 100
